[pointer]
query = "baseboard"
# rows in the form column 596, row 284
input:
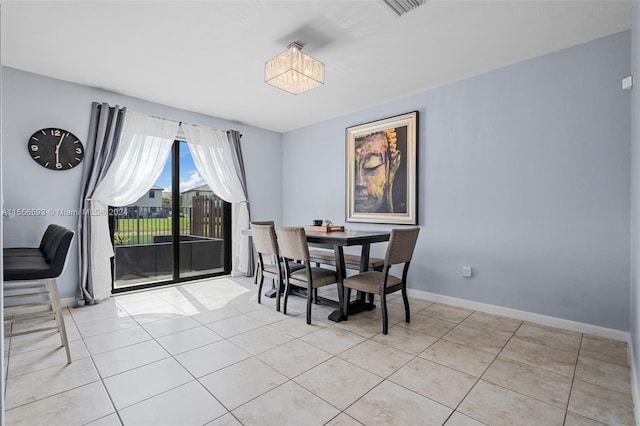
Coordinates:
column 549, row 321
column 68, row 302
column 635, row 391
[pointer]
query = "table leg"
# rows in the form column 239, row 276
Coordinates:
column 360, row 304
column 338, row 315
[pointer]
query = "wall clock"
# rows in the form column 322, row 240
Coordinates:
column 55, row 149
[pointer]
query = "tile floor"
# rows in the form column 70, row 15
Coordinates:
column 207, row 353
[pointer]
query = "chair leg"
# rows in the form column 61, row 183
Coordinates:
column 57, row 308
column 310, row 292
column 279, row 290
column 315, row 295
column 260, row 288
column 405, row 299
column 385, row 318
column 286, row 295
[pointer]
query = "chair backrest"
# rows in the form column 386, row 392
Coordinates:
column 401, row 245
column 263, row 222
column 50, row 239
column 46, row 237
column 56, row 249
column 293, row 243
column 264, row 238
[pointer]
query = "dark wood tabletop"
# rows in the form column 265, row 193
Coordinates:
column 349, row 237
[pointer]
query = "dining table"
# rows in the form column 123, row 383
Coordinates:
column 339, row 240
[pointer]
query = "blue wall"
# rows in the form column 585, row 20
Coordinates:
column 524, row 174
column 31, row 102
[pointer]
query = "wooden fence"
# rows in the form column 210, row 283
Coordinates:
column 206, row 216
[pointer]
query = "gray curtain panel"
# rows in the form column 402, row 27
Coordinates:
column 105, row 129
column 234, row 139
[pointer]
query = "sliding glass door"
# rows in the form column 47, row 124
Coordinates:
column 179, row 230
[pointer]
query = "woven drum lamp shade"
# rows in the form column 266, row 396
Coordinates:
column 294, row 71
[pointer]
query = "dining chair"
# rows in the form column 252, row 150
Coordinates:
column 293, row 247
column 258, row 270
column 266, row 244
column 399, row 251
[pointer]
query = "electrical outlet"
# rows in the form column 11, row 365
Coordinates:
column 467, row 271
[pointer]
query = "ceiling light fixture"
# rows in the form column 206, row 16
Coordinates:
column 293, row 71
column 400, row 7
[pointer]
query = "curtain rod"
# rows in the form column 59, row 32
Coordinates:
column 180, row 123
column 175, row 121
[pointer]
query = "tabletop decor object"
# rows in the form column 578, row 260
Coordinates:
column 324, row 228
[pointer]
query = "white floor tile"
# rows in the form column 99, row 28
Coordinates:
column 115, row 340
column 110, row 420
column 235, row 325
column 31, row 342
column 39, row 359
column 289, row 404
column 390, row 404
column 294, row 357
column 333, row 340
column 130, row 357
column 50, row 381
column 106, row 325
column 187, row 340
column 186, row 405
column 379, row 359
column 260, row 339
column 226, row 420
column 170, row 326
column 321, row 381
column 210, row 358
column 74, row 407
column 144, row 382
column 241, row 382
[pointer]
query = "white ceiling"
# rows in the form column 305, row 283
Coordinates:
column 209, row 56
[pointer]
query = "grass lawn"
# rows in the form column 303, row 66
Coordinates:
column 141, row 231
column 160, row 224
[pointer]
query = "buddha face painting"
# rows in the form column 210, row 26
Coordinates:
column 376, row 162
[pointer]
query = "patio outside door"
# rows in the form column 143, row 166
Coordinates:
column 179, row 230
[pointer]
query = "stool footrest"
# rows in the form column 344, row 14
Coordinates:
column 26, row 306
column 16, row 295
column 35, row 330
column 28, row 315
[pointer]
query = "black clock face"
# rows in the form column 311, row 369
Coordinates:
column 55, row 149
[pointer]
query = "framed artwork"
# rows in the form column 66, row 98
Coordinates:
column 381, row 162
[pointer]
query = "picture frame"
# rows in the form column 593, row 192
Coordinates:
column 381, row 171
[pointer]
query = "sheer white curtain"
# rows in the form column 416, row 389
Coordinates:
column 213, row 156
column 141, row 155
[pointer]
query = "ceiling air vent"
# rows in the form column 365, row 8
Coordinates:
column 400, row 7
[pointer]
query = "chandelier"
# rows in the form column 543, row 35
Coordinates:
column 400, row 7
column 294, row 71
